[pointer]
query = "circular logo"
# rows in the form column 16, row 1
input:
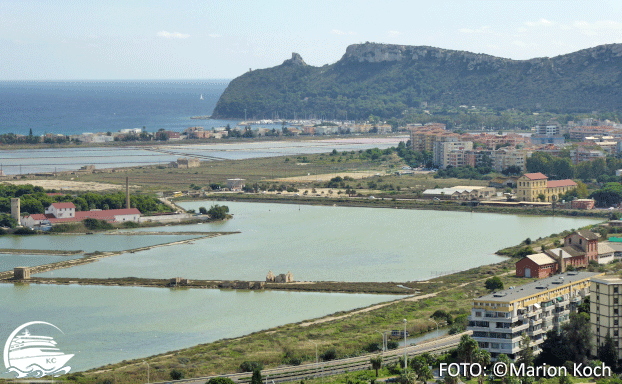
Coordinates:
column 35, row 354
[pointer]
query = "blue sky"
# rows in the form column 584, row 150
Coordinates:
column 194, row 39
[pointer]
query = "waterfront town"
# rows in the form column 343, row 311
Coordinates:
column 433, row 195
column 546, row 289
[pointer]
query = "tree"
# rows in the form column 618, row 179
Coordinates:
column 376, row 363
column 176, row 374
column 525, row 355
column 562, row 168
column 329, row 355
column 493, row 283
column 467, row 349
column 220, row 380
column 218, row 212
column 481, row 357
column 609, row 195
column 202, row 210
column 607, row 353
column 538, row 162
column 407, row 377
column 250, row 366
column 541, row 197
column 256, row 378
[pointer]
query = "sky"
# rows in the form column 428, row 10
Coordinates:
column 222, row 39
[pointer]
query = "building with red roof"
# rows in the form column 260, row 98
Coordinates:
column 60, row 213
column 531, row 186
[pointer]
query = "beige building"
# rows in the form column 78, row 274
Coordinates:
column 532, row 185
column 605, row 310
column 505, row 158
column 443, row 151
column 500, row 319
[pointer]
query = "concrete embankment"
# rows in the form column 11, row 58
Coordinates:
column 92, row 257
column 13, row 251
column 319, row 286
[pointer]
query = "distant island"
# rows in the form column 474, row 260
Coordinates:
column 386, row 80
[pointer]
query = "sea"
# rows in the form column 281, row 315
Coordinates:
column 76, row 107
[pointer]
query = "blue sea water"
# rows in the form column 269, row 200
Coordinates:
column 75, row 107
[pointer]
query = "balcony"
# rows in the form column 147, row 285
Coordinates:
column 533, row 322
column 561, row 303
column 520, row 327
column 535, row 332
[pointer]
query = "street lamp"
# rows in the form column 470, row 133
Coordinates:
column 405, row 355
column 382, row 335
column 144, row 362
column 316, row 359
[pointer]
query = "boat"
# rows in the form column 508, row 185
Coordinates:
column 29, row 353
column 201, row 97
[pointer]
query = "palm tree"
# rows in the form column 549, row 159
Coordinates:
column 466, row 349
column 376, row 363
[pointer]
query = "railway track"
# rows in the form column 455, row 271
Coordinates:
column 334, row 367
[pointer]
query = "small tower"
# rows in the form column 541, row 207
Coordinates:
column 127, row 192
column 15, row 210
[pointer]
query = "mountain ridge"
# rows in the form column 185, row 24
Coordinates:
column 386, row 80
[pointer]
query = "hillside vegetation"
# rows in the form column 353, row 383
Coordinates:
column 386, row 80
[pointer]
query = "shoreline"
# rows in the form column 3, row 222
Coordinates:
column 394, row 204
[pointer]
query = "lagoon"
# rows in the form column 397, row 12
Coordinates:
column 104, row 325
column 319, row 243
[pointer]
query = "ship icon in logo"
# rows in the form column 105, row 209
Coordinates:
column 29, row 355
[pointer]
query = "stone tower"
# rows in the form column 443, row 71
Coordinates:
column 15, row 210
column 127, row 192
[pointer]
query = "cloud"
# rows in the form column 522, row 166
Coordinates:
column 213, row 35
column 173, row 35
column 539, row 23
column 338, row 32
column 395, row 33
column 598, row 27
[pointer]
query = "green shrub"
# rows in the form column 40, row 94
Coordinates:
column 329, row 355
column 176, row 374
column 24, row 231
column 220, row 380
column 94, row 224
column 250, row 366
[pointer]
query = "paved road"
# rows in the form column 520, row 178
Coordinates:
column 334, row 367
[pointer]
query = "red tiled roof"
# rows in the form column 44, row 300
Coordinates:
column 107, row 215
column 63, row 205
column 535, row 176
column 560, row 183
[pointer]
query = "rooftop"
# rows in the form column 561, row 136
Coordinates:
column 535, row 176
column 609, row 279
column 560, row 183
column 538, row 286
column 541, row 259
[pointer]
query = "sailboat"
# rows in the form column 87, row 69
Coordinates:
column 201, row 97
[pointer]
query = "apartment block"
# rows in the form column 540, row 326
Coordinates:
column 605, row 309
column 547, row 129
column 500, row 319
column 442, row 151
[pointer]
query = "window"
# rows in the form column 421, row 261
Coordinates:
column 615, row 333
column 615, row 300
column 615, row 311
column 615, row 322
column 615, row 289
